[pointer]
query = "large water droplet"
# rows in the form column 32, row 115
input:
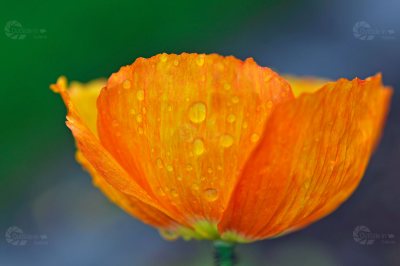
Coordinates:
column 211, row 194
column 197, row 112
column 198, row 147
column 226, row 141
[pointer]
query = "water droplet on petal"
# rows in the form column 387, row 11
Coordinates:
column 140, row 95
column 179, row 178
column 197, row 112
column 115, row 123
column 140, row 130
column 170, row 168
column 227, row 86
column 254, row 137
column 235, row 99
column 200, row 60
column 269, row 104
column 195, row 187
column 189, row 168
column 169, row 234
column 211, row 194
column 126, row 84
column 164, row 58
column 139, row 118
column 159, row 163
column 231, row 118
column 174, row 193
column 226, row 141
column 176, row 62
column 198, row 147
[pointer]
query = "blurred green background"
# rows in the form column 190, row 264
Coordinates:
column 43, row 190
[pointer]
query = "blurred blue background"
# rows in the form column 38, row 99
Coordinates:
column 45, row 193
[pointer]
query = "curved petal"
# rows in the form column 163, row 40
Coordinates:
column 131, row 205
column 107, row 173
column 312, row 156
column 302, row 85
column 183, row 125
column 84, row 98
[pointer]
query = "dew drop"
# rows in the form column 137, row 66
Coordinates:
column 164, row 58
column 227, row 86
column 126, row 84
column 189, row 168
column 235, row 99
column 226, row 141
column 140, row 95
column 174, row 193
column 197, row 112
column 210, row 170
column 132, row 111
column 231, row 118
column 159, row 163
column 170, row 168
column 139, row 118
column 254, row 137
column 115, row 123
column 200, row 60
column 195, row 187
column 198, row 147
column 269, row 104
column 160, row 191
column 179, row 178
column 176, row 62
column 140, row 130
column 211, row 194
column 245, row 125
column 169, row 234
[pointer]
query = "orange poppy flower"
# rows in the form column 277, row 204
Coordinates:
column 212, row 147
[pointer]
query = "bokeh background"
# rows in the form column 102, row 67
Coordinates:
column 45, row 193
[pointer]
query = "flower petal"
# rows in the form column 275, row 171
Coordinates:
column 107, row 173
column 312, row 156
column 302, row 85
column 183, row 125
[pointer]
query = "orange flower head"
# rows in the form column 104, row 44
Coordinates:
column 212, row 147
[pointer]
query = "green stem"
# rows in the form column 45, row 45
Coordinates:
column 224, row 253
